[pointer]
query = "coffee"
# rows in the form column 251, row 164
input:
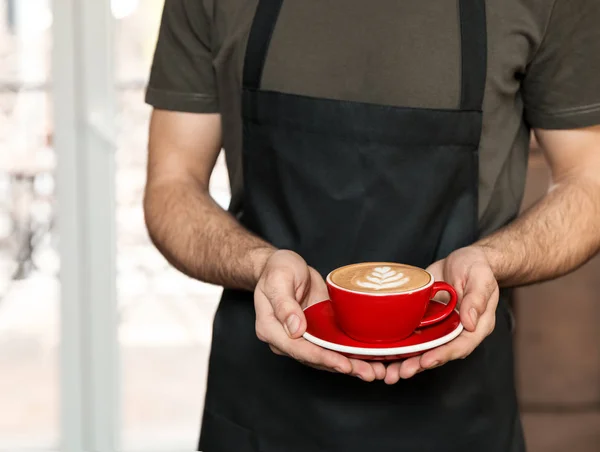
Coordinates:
column 380, row 277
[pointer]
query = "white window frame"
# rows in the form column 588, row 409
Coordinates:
column 83, row 95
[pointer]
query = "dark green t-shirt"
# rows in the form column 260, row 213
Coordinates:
column 543, row 70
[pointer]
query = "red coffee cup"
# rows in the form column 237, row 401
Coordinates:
column 392, row 314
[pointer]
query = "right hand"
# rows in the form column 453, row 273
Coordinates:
column 286, row 286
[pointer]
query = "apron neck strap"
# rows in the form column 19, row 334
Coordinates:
column 257, row 48
column 473, row 32
column 473, row 36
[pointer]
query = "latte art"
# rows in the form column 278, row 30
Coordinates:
column 380, row 277
column 383, row 278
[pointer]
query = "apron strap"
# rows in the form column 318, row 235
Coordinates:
column 261, row 32
column 473, row 32
column 473, row 48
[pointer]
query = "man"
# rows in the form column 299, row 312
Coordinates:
column 370, row 131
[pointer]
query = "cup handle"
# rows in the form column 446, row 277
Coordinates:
column 439, row 316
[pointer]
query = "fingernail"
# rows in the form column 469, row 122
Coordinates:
column 474, row 316
column 293, row 323
column 340, row 370
column 434, row 364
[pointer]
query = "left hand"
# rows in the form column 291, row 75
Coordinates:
column 469, row 272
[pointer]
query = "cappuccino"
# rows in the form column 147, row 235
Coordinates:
column 380, row 277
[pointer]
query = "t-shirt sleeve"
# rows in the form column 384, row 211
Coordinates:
column 182, row 77
column 561, row 88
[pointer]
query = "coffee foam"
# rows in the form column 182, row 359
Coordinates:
column 380, row 277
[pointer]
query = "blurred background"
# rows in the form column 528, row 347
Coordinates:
column 112, row 355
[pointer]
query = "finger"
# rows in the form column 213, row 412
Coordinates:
column 280, row 353
column 314, row 366
column 479, row 288
column 459, row 348
column 306, row 352
column 315, row 355
column 362, row 370
column 402, row 370
column 392, row 375
column 379, row 369
column 464, row 344
column 322, row 368
column 269, row 330
column 323, row 359
column 368, row 371
column 410, row 367
column 289, row 313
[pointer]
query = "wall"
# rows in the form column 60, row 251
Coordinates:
column 558, row 351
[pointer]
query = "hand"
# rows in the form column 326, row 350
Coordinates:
column 469, row 272
column 287, row 284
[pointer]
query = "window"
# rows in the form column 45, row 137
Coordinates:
column 29, row 262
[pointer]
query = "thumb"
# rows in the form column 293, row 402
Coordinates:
column 287, row 310
column 290, row 315
column 480, row 288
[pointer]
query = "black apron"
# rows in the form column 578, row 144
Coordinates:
column 342, row 182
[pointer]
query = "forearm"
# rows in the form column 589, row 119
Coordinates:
column 201, row 239
column 557, row 235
